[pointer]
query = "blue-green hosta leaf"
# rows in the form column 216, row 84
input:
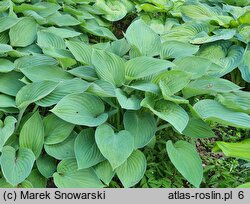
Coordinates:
column 36, row 179
column 104, row 171
column 62, row 32
column 120, row 47
column 16, row 166
column 128, row 102
column 81, row 109
column 140, row 67
column 34, row 61
column 102, row 88
column 114, row 10
column 46, row 73
column 213, row 111
column 81, row 51
column 177, row 49
column 23, row 33
column 46, row 39
column 62, row 150
column 238, row 101
column 4, row 37
column 64, row 88
column 145, row 86
column 84, row 72
column 68, row 176
column 209, row 85
column 7, row 22
column 197, row 128
column 32, row 134
column 133, row 169
column 239, row 150
column 34, row 92
column 168, row 111
column 86, row 150
column 56, row 129
column 10, row 83
column 7, row 128
column 244, row 33
column 225, row 57
column 5, row 48
column 172, row 81
column 223, row 34
column 196, row 66
column 185, row 32
column 63, row 20
column 142, row 125
column 138, row 33
column 115, row 147
column 7, row 101
column 46, row 165
column 109, row 67
column 245, row 66
column 6, row 65
column 51, row 8
column 186, row 160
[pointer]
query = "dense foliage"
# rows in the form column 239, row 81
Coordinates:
column 88, row 88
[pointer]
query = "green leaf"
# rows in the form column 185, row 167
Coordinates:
column 245, row 66
column 197, row 128
column 81, row 109
column 239, row 150
column 81, row 51
column 6, row 130
column 142, row 125
column 6, row 65
column 46, row 165
column 63, row 20
column 209, row 85
column 84, row 72
column 7, row 22
column 62, row 32
column 36, row 179
column 23, row 33
column 86, row 150
column 133, row 169
column 213, row 111
column 46, row 39
column 177, row 49
column 186, row 160
column 62, row 150
column 32, row 134
column 245, row 18
column 244, row 185
column 10, row 83
column 68, row 176
column 104, row 171
column 115, row 147
column 138, row 33
column 34, row 92
column 140, row 67
column 102, row 88
column 120, row 47
column 168, row 111
column 109, row 67
column 129, row 103
column 56, row 129
column 16, row 166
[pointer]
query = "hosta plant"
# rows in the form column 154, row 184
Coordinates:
column 78, row 105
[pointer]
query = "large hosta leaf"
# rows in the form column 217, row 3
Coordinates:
column 213, row 111
column 16, row 166
column 46, row 39
column 81, row 109
column 142, row 125
column 104, row 171
column 46, row 165
column 86, row 150
column 115, row 147
column 245, row 67
column 24, row 32
column 32, row 134
column 129, row 103
column 133, row 169
column 68, row 176
column 6, row 65
column 7, row 128
column 186, row 160
column 7, row 22
column 146, row 34
column 168, row 111
column 140, row 67
column 56, row 129
column 109, row 67
column 239, row 150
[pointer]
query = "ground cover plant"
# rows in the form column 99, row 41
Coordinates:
column 124, row 93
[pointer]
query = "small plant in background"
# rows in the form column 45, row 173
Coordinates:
column 81, row 108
